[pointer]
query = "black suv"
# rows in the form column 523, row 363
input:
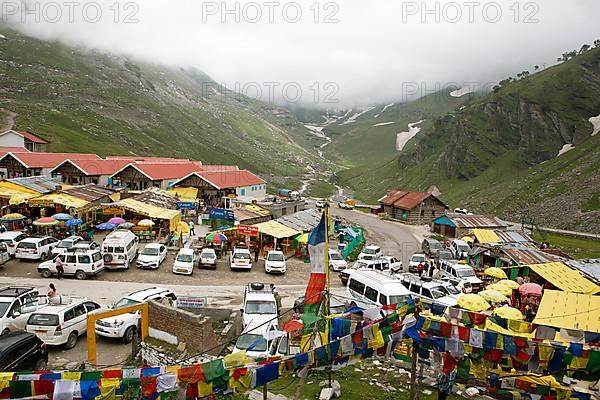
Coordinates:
column 22, row 351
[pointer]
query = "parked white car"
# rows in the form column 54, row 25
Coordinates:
column 370, row 253
column 336, row 261
column 152, row 256
column 79, row 263
column 240, row 258
column 428, row 290
column 125, row 326
column 275, row 262
column 394, row 263
column 460, row 275
column 4, row 254
column 66, row 244
column 184, row 262
column 16, row 304
column 12, row 239
column 62, row 324
column 208, row 258
column 260, row 310
column 35, row 248
column 460, row 249
column 415, row 260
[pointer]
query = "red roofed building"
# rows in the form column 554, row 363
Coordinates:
column 14, row 165
column 142, row 175
column 83, row 172
column 412, row 207
column 22, row 139
column 213, row 185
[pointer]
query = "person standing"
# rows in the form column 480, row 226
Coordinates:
column 191, row 225
column 60, row 270
column 256, row 253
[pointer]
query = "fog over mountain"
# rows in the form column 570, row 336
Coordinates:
column 338, row 54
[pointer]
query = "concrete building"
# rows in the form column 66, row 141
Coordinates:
column 22, row 139
column 457, row 225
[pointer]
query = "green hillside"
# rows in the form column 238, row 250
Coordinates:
column 87, row 101
column 498, row 153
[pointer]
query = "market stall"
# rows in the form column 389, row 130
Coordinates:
column 273, row 234
column 137, row 210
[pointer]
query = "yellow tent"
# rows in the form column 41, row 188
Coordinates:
column 149, row 210
column 277, row 230
column 565, row 278
column 16, row 194
column 63, row 199
column 185, row 193
column 183, row 228
column 569, row 310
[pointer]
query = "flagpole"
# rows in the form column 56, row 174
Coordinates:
column 327, row 286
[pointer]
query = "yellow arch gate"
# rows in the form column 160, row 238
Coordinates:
column 91, row 325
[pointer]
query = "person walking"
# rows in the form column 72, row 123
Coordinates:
column 191, row 225
column 60, row 270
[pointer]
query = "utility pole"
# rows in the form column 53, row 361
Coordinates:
column 413, row 373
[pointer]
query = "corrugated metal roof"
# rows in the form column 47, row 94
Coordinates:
column 513, row 237
column 303, row 221
column 243, row 214
column 89, row 192
column 569, row 311
column 42, row 184
column 476, row 221
column 404, row 200
column 565, row 278
column 588, row 267
column 530, row 255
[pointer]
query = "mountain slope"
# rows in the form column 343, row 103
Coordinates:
column 93, row 102
column 498, row 153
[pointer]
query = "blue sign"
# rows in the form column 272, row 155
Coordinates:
column 221, row 213
column 186, row 205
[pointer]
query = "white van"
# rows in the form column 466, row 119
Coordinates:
column 184, row 262
column 62, row 324
column 79, row 263
column 119, row 249
column 458, row 274
column 460, row 249
column 428, row 290
column 369, row 288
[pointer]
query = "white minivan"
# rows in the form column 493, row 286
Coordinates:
column 369, row 288
column 184, row 262
column 119, row 249
column 460, row 249
column 62, row 324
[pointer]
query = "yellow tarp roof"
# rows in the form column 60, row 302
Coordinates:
column 60, row 198
column 565, row 278
column 486, row 236
column 569, row 310
column 187, row 193
column 146, row 209
column 277, row 230
column 16, row 194
column 257, row 208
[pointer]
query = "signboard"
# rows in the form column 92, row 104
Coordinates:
column 113, row 211
column 186, row 205
column 247, row 230
column 221, row 213
column 41, row 203
column 232, row 195
column 191, row 302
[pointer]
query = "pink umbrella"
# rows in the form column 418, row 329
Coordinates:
column 116, row 220
column 528, row 289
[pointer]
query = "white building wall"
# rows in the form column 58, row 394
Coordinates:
column 253, row 191
column 12, row 139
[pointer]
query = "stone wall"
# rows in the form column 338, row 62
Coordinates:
column 195, row 329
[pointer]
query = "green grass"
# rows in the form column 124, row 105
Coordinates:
column 84, row 101
column 321, row 189
column 576, row 247
column 593, row 203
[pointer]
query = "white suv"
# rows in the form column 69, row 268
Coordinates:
column 260, row 310
column 240, row 258
column 12, row 239
column 370, row 253
column 208, row 258
column 35, row 248
column 336, row 261
column 79, row 263
column 62, row 324
column 66, row 244
column 16, row 303
column 125, row 326
column 275, row 262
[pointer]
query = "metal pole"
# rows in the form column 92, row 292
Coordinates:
column 413, row 373
column 265, row 393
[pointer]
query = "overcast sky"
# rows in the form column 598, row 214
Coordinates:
column 371, row 51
